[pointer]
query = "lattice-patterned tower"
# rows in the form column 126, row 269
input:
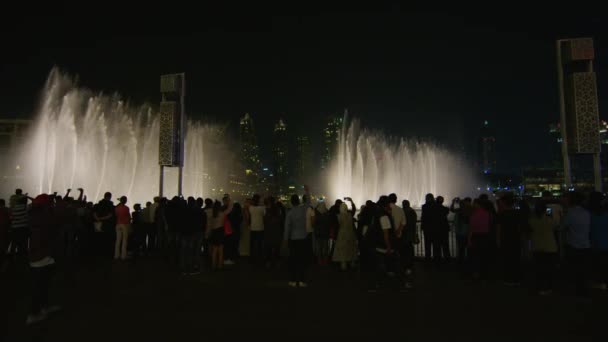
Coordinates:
column 579, row 112
column 172, row 126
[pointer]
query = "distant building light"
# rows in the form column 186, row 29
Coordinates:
column 265, row 169
column 18, row 167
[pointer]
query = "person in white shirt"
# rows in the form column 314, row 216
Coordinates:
column 397, row 214
column 257, row 210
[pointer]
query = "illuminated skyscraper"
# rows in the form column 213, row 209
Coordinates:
column 250, row 158
column 331, row 136
column 303, row 159
column 487, row 149
column 280, row 147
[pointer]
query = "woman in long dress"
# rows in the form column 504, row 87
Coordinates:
column 346, row 244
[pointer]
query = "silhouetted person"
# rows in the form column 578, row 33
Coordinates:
column 208, row 209
column 479, row 239
column 441, row 246
column 544, row 247
column 321, row 231
column 381, row 237
column 273, row 233
column 235, row 218
column 192, row 221
column 43, row 232
column 295, row 235
column 19, row 226
column 346, row 243
column 147, row 218
column 123, row 226
column 409, row 236
column 577, row 224
column 462, row 210
column 137, row 239
column 217, row 236
column 429, row 225
column 105, row 225
column 199, row 233
column 509, row 230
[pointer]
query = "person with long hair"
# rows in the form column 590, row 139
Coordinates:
column 235, row 220
column 346, row 243
column 217, row 236
column 218, row 233
column 544, row 247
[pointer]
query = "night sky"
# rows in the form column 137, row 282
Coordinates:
column 419, row 73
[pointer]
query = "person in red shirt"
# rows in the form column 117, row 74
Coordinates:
column 123, row 224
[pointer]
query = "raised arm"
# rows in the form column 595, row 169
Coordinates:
column 67, row 194
column 80, row 196
column 353, row 207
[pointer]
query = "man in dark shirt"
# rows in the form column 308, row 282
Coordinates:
column 509, row 239
column 409, row 236
column 429, row 225
column 441, row 246
column 105, row 223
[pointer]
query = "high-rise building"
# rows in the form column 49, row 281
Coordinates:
column 303, row 159
column 487, row 149
column 250, row 157
column 331, row 137
column 280, row 147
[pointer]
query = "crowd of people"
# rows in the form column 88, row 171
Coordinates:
column 379, row 238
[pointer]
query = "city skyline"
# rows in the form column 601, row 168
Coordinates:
column 399, row 70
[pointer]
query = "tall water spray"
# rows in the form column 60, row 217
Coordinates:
column 369, row 164
column 101, row 143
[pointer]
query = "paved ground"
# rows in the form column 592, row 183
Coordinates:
column 147, row 300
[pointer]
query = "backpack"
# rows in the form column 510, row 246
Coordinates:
column 374, row 237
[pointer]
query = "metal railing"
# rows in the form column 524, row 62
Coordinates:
column 419, row 249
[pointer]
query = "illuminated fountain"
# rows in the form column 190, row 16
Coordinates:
column 101, row 143
column 369, row 164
